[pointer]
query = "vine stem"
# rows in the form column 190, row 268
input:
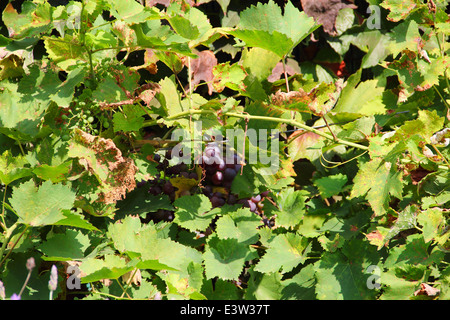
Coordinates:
column 8, row 235
column 279, row 120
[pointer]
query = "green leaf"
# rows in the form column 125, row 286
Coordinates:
column 406, row 220
column 285, row 252
column 40, row 206
column 225, row 258
column 64, row 247
column 229, row 76
column 194, row 212
column 301, row 286
column 65, row 52
column 428, row 123
column 350, row 99
column 111, row 267
column 432, row 220
column 399, row 9
column 265, row 26
column 13, row 168
column 241, row 225
column 291, row 206
column 275, row 42
column 20, row 116
column 263, row 286
column 183, row 27
column 259, row 62
column 109, row 91
column 415, row 251
column 377, row 180
column 331, row 185
column 73, row 219
column 53, row 173
column 130, row 120
column 31, row 21
column 170, row 100
column 131, row 12
column 341, row 275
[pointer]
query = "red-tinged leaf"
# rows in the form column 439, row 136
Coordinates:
column 202, row 69
column 427, row 290
column 302, row 145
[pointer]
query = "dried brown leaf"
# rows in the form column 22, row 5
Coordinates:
column 325, row 12
column 202, row 69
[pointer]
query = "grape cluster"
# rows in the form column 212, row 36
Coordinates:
column 217, row 175
column 219, row 172
column 161, row 185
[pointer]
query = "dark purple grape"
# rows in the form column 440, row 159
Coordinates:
column 217, row 202
column 155, row 190
column 229, row 174
column 185, row 174
column 207, row 191
column 169, row 154
column 227, row 184
column 217, row 178
column 156, row 157
column 168, row 188
column 141, row 183
column 219, row 164
column 193, row 175
column 232, row 199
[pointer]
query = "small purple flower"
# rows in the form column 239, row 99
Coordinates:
column 53, row 283
column 2, row 291
column 15, row 297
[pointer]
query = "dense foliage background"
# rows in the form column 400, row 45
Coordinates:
column 91, row 91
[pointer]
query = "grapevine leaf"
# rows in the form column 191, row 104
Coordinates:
column 285, row 252
column 291, row 206
column 12, row 168
column 264, row 286
column 431, row 220
column 241, row 225
column 415, row 251
column 40, row 206
column 399, row 9
column 65, row 91
column 194, row 212
column 130, row 120
column 31, row 21
column 111, row 267
column 300, row 286
column 341, row 275
column 265, row 26
column 74, row 219
column 65, row 247
column 19, row 117
column 54, row 173
column 331, row 185
column 65, row 52
column 101, row 158
column 379, row 180
column 225, row 258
